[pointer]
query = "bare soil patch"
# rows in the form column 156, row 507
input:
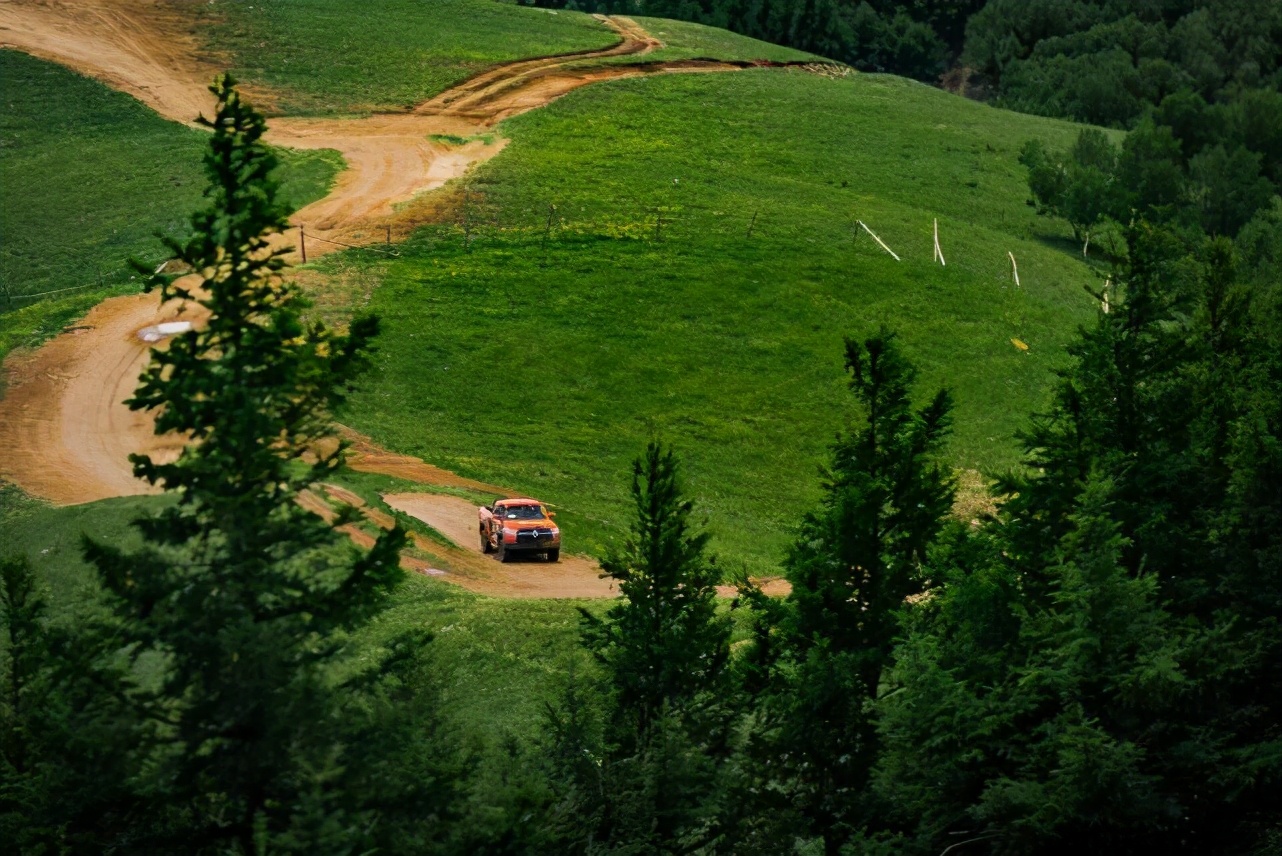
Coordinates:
column 455, row 518
column 63, row 425
column 66, row 431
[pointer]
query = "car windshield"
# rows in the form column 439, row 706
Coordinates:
column 523, row 512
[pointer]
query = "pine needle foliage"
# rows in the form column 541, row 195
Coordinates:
column 664, row 650
column 856, row 560
column 244, row 596
column 885, row 497
column 663, row 642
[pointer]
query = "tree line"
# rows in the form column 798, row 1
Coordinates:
column 1107, row 62
column 1096, row 666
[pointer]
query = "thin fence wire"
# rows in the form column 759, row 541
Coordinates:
column 633, row 219
column 14, row 297
column 672, row 224
column 392, row 253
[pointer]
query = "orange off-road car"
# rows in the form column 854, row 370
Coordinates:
column 516, row 526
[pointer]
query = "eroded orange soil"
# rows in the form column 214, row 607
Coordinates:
column 63, row 425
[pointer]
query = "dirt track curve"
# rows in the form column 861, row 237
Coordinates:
column 63, row 426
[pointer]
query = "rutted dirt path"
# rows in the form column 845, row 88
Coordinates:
column 455, row 518
column 63, row 428
column 66, row 434
column 139, row 47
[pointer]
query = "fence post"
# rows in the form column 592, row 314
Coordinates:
column 389, row 235
column 302, row 242
column 547, row 232
column 879, row 241
column 467, row 220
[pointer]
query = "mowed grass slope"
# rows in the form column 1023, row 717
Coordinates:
column 499, row 661
column 332, row 56
column 684, row 40
column 89, row 176
column 544, row 359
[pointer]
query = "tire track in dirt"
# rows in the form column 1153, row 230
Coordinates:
column 141, row 47
column 63, row 425
column 455, row 518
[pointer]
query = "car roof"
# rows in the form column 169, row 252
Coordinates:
column 518, row 502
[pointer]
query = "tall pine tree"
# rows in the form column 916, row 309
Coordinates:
column 664, row 650
column 857, row 559
column 244, row 599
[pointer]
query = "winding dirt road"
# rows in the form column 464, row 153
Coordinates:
column 62, row 425
column 64, row 430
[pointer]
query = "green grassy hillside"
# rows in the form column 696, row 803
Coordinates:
column 544, row 359
column 502, row 660
column 317, row 57
column 700, row 268
column 89, row 175
column 329, row 56
column 683, row 40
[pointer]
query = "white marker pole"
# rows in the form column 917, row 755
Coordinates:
column 1014, row 268
column 939, row 254
column 878, row 240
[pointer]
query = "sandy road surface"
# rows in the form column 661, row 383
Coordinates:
column 137, row 46
column 63, row 426
column 455, row 518
column 65, row 434
column 571, row 577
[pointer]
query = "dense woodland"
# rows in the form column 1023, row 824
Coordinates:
column 1094, row 667
column 1198, row 81
column 1100, row 61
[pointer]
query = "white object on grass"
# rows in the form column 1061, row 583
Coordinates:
column 878, row 240
column 160, row 331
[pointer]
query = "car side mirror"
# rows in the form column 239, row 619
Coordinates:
column 551, row 514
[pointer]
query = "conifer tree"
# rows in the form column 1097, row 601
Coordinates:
column 664, row 651
column 242, row 596
column 1047, row 737
column 663, row 644
column 65, row 733
column 1102, row 672
column 857, row 559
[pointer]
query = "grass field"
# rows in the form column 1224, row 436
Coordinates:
column 318, row 57
column 544, row 359
column 683, row 40
column 89, row 175
column 499, row 660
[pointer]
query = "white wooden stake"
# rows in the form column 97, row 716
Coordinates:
column 878, row 240
column 1104, row 294
column 1014, row 268
column 939, row 254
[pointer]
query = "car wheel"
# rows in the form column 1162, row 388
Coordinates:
column 486, row 546
column 554, row 555
column 504, row 554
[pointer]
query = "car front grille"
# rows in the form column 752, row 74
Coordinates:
column 534, row 536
